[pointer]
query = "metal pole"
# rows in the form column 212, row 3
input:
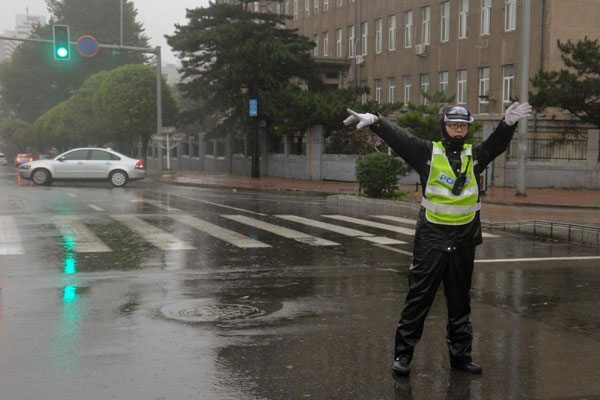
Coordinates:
column 121, row 22
column 524, row 97
column 159, row 104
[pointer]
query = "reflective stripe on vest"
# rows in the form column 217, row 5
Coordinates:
column 443, row 207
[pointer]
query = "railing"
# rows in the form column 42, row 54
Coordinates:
column 588, row 235
column 551, row 149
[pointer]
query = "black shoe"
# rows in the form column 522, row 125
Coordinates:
column 469, row 366
column 401, row 365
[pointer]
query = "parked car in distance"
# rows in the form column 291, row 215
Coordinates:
column 85, row 164
column 3, row 159
column 23, row 158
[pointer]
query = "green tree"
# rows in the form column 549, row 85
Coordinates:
column 575, row 89
column 17, row 135
column 32, row 81
column 230, row 55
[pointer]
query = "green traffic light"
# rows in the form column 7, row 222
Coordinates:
column 62, row 52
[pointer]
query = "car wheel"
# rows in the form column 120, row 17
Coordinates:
column 118, row 178
column 41, row 176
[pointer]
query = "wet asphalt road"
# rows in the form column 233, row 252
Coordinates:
column 95, row 304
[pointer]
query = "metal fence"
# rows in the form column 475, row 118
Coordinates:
column 551, row 149
column 587, row 235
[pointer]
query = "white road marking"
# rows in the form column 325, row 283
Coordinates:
column 10, row 240
column 157, row 237
column 95, row 207
column 158, row 204
column 72, row 195
column 220, row 233
column 414, row 222
column 535, row 259
column 407, row 253
column 392, row 228
column 223, row 205
column 281, row 231
column 342, row 230
column 83, row 240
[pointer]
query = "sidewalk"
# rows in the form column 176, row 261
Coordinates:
column 500, row 204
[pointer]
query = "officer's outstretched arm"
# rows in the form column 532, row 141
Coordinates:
column 364, row 120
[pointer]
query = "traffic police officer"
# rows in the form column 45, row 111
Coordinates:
column 448, row 227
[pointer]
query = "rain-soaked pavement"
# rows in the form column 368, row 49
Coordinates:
column 145, row 293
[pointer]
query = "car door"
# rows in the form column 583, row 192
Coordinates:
column 71, row 165
column 99, row 164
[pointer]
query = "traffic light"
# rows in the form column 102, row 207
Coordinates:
column 62, row 50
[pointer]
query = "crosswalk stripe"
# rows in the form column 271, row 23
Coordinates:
column 157, row 237
column 392, row 228
column 10, row 240
column 226, row 235
column 95, row 207
column 82, row 239
column 413, row 222
column 222, row 205
column 341, row 230
column 281, row 231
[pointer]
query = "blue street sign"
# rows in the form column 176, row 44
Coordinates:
column 253, row 107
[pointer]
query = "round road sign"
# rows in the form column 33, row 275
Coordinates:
column 87, row 46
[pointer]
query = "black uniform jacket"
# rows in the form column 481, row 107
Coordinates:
column 417, row 153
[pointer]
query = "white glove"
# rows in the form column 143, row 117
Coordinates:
column 517, row 111
column 363, row 119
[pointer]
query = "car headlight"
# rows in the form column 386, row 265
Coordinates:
column 25, row 166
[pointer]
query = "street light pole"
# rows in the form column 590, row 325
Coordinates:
column 121, row 22
column 523, row 98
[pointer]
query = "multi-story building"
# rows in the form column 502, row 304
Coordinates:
column 24, row 24
column 468, row 48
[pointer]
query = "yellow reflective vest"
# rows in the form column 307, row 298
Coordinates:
column 443, row 207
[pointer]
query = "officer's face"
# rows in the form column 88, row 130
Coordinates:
column 457, row 129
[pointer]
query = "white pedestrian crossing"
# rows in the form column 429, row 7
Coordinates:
column 10, row 239
column 80, row 236
column 341, row 230
column 414, row 222
column 157, row 237
column 281, row 231
column 226, row 235
column 378, row 225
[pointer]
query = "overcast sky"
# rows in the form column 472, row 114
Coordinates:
column 157, row 16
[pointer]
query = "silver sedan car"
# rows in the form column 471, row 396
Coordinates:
column 85, row 164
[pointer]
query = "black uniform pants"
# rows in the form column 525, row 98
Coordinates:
column 430, row 267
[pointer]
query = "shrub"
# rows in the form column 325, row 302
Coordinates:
column 377, row 174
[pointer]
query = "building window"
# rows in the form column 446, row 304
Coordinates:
column 508, row 85
column 286, row 8
column 295, row 10
column 325, row 44
column 316, row 10
column 444, row 82
column 392, row 32
column 316, row 48
column 486, row 16
column 340, row 3
column 391, row 90
column 407, row 89
column 461, row 87
column 463, row 11
column 338, row 43
column 408, row 28
column 363, row 97
column 364, row 32
column 351, row 41
column 424, row 88
column 378, row 91
column 510, row 15
column 378, row 35
column 325, row 5
column 445, row 21
column 484, row 90
column 426, row 14
column 306, row 8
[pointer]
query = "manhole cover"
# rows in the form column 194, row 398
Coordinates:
column 209, row 312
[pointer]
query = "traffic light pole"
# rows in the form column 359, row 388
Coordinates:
column 155, row 51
